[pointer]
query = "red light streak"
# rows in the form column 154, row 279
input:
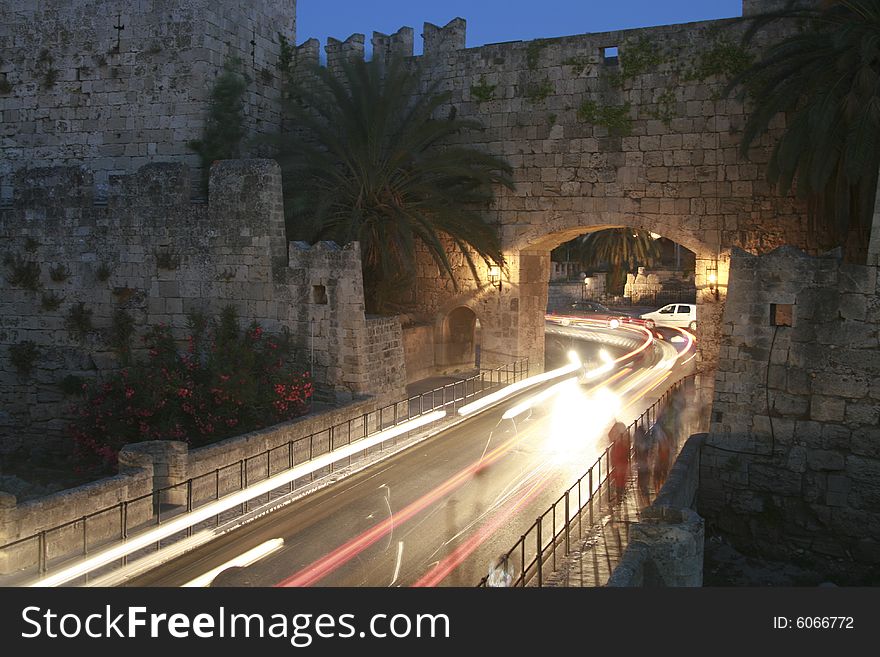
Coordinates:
column 439, row 572
column 322, row 567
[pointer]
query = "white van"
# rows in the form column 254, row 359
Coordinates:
column 675, row 315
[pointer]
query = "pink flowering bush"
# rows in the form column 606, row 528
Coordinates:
column 225, row 383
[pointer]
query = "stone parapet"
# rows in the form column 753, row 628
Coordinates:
column 666, row 546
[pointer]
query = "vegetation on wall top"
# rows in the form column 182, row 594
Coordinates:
column 371, row 164
column 224, row 126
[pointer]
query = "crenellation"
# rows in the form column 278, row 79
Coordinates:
column 446, row 40
column 397, row 45
column 338, row 52
column 307, row 56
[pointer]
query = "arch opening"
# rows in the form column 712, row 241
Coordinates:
column 459, row 343
column 621, row 266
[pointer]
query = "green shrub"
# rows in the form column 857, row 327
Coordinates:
column 23, row 356
column 50, row 301
column 79, row 320
column 614, row 117
column 227, row 382
column 23, row 273
column 59, row 273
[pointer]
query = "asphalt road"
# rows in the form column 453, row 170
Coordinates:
column 438, row 513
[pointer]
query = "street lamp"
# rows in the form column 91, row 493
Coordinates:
column 712, row 278
column 495, row 276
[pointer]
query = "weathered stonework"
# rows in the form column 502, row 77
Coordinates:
column 674, row 170
column 792, row 463
column 81, row 91
column 159, row 257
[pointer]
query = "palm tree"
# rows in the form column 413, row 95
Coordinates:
column 826, row 78
column 367, row 160
column 623, row 249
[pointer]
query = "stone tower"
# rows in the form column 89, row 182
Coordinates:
column 114, row 85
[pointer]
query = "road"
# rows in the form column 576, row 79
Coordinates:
column 438, row 513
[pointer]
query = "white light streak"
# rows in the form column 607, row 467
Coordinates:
column 480, row 404
column 210, row 510
column 522, row 407
column 241, row 561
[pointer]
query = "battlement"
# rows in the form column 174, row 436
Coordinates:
column 436, row 41
column 321, row 254
column 399, row 44
column 446, row 39
column 352, row 49
column 307, row 55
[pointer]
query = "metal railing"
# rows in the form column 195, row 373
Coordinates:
column 549, row 537
column 660, row 298
column 59, row 545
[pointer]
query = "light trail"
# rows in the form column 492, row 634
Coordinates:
column 323, row 566
column 507, row 391
column 224, row 504
column 452, row 561
column 241, row 561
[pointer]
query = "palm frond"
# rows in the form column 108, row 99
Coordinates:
column 367, row 159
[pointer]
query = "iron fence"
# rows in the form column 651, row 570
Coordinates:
column 549, row 537
column 57, row 546
column 660, row 298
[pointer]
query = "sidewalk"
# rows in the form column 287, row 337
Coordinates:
column 431, row 383
column 592, row 562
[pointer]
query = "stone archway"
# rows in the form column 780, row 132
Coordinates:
column 514, row 326
column 457, row 346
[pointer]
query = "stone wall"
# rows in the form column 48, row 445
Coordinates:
column 153, row 253
column 418, row 347
column 792, row 463
column 383, row 347
column 77, row 90
column 26, row 520
column 666, row 546
column 644, row 139
column 150, row 466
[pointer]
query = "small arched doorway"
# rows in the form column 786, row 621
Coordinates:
column 459, row 341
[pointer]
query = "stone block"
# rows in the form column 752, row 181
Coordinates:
column 863, row 469
column 808, row 433
column 862, row 414
column 865, row 441
column 853, row 307
column 857, row 278
column 840, row 385
column 793, row 406
column 825, row 460
column 774, row 479
column 797, row 459
column 827, row 409
column 835, row 437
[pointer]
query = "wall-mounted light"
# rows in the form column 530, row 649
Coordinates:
column 495, row 276
column 712, row 278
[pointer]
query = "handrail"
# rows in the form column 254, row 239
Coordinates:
column 534, row 541
column 284, row 457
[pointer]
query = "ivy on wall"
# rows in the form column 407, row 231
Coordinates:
column 224, row 127
column 482, row 92
column 616, row 118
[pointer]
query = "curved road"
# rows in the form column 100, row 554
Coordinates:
column 441, row 511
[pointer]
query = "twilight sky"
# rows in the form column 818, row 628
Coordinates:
column 492, row 21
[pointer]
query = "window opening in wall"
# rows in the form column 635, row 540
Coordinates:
column 319, row 294
column 609, row 55
column 781, row 314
